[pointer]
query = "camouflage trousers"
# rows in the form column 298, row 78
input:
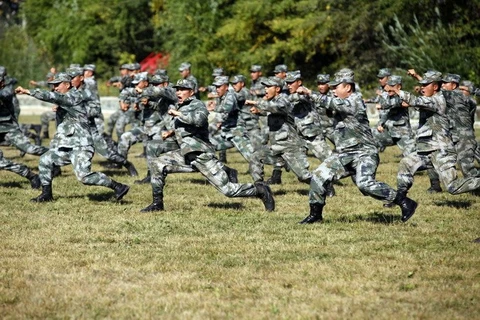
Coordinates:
column 477, row 152
column 156, row 146
column 246, row 142
column 443, row 161
column 100, row 123
column 130, row 138
column 360, row 165
column 45, row 119
column 406, row 143
column 118, row 121
column 204, row 162
column 15, row 167
column 103, row 148
column 318, row 146
column 21, row 142
column 292, row 155
column 81, row 160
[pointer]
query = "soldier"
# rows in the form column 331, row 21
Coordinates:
column 211, row 90
column 72, row 143
column 467, row 89
column 355, row 152
column 155, row 102
column 10, row 130
column 382, row 76
column 7, row 124
column 280, row 71
column 394, row 128
column 186, row 73
column 196, row 153
column 92, row 102
column 434, row 145
column 91, row 84
column 284, row 140
column 325, row 119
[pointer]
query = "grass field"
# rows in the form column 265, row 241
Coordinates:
column 84, row 256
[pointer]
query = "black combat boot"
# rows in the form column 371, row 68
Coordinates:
column 265, row 193
column 45, row 135
column 156, row 205
column 131, row 169
column 46, row 194
column 232, row 174
column 407, row 205
column 37, row 128
column 222, row 156
column 34, row 180
column 145, row 180
column 276, row 177
column 120, row 189
column 434, row 186
column 316, row 211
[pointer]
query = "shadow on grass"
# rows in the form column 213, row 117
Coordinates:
column 115, row 172
column 375, row 217
column 199, row 181
column 226, row 205
column 303, row 192
column 280, row 192
column 459, row 204
column 12, row 184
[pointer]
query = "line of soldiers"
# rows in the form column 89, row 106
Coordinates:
column 275, row 122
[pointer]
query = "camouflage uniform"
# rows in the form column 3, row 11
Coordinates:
column 434, row 145
column 9, row 129
column 196, row 154
column 355, row 154
column 72, row 143
column 187, row 66
column 325, row 119
column 395, row 120
column 284, row 140
column 307, row 120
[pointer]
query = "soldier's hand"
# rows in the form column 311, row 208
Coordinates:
column 166, row 134
column 380, row 129
column 251, row 102
column 405, row 104
column 411, row 72
column 378, row 106
column 55, row 108
column 21, row 90
column 303, row 90
column 173, row 112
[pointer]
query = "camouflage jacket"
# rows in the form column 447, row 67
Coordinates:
column 325, row 116
column 434, row 127
column 351, row 126
column 305, row 115
column 8, row 121
column 246, row 119
column 191, row 127
column 130, row 96
column 227, row 108
column 279, row 120
column 73, row 128
column 396, row 118
column 257, row 89
column 90, row 90
column 461, row 114
column 154, row 114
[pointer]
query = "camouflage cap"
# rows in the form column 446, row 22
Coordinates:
column 123, row 97
column 293, row 76
column 280, row 68
column 431, row 76
column 185, row 84
column 394, row 80
column 74, row 72
column 217, row 72
column 451, row 77
column 384, row 72
column 273, row 82
column 74, row 65
column 50, row 75
column 89, row 67
column 148, row 92
column 343, row 76
column 469, row 85
column 60, row 77
column 130, row 66
column 220, row 80
column 238, row 78
column 184, row 66
column 323, row 78
column 124, row 66
column 255, row 68
column 161, row 72
column 142, row 76
column 159, row 78
column 136, row 66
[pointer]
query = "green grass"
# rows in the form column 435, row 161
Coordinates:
column 210, row 257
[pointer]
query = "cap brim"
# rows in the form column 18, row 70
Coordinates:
column 334, row 83
column 55, row 82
